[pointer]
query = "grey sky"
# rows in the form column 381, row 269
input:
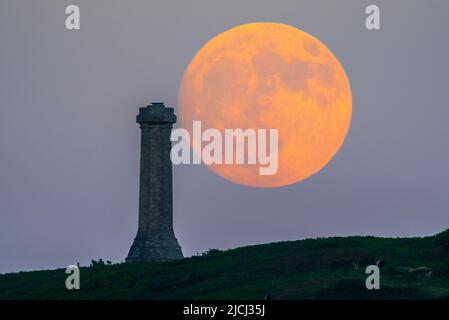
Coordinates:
column 69, row 144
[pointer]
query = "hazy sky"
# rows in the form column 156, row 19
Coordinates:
column 69, row 144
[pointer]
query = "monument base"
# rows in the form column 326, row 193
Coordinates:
column 155, row 250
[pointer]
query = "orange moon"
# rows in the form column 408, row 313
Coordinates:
column 270, row 75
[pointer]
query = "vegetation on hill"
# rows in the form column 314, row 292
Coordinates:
column 324, row 268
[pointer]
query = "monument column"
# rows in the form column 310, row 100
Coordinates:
column 155, row 239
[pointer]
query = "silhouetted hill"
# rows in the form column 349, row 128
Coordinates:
column 307, row 269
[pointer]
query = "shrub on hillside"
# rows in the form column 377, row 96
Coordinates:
column 211, row 252
column 443, row 240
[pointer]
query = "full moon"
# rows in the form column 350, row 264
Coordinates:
column 270, row 76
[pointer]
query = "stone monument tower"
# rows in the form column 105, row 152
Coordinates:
column 155, row 239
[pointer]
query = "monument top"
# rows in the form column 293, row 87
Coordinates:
column 156, row 104
column 156, row 112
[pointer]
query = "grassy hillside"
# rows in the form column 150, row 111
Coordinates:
column 307, row 269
